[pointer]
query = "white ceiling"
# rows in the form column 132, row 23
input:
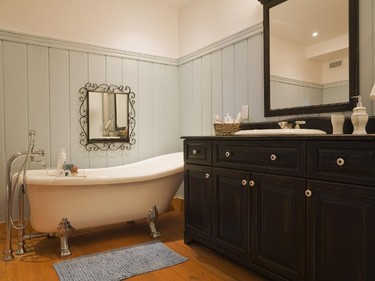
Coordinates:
column 178, row 4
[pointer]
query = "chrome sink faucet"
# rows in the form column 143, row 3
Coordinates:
column 299, row 123
column 286, row 125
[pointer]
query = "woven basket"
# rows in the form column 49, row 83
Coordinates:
column 226, row 129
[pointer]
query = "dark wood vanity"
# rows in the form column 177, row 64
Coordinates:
column 289, row 207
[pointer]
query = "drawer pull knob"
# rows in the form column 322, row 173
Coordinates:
column 227, row 154
column 195, row 152
column 207, row 175
column 251, row 183
column 340, row 161
column 308, row 193
column 244, row 182
column 273, row 157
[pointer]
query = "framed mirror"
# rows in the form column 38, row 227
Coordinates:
column 107, row 117
column 311, row 56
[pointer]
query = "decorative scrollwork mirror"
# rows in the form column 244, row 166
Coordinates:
column 107, row 117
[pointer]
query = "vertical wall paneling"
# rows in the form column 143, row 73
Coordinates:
column 186, row 99
column 172, row 110
column 207, row 116
column 181, row 97
column 39, row 89
column 15, row 98
column 97, row 69
column 114, row 76
column 15, row 102
column 228, row 80
column 3, row 159
column 217, row 84
column 255, row 79
column 97, row 75
column 241, row 65
column 159, row 105
column 130, row 78
column 39, row 100
column 145, row 114
column 173, row 133
column 59, row 103
column 301, row 93
column 197, row 97
column 78, row 78
column 114, row 70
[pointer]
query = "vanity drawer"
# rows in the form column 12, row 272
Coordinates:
column 348, row 162
column 279, row 157
column 197, row 152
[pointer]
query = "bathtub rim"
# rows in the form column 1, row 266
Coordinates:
column 85, row 176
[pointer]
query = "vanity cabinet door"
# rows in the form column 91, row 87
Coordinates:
column 231, row 210
column 198, row 202
column 278, row 224
column 341, row 232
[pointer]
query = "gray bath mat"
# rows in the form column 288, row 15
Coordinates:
column 118, row 264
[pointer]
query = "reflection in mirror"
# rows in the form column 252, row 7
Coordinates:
column 310, row 55
column 107, row 117
column 121, row 113
column 309, row 58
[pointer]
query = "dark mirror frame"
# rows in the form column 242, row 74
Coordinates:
column 353, row 65
column 105, row 144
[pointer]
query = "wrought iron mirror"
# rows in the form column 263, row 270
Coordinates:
column 107, row 117
column 305, row 74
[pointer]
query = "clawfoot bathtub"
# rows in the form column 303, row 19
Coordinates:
column 102, row 196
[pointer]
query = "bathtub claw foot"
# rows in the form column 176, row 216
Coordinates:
column 152, row 218
column 63, row 232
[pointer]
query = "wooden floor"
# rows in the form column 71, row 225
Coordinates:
column 203, row 264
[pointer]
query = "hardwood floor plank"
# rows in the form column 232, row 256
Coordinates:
column 2, row 270
column 203, row 264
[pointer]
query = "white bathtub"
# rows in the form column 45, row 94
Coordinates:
column 103, row 196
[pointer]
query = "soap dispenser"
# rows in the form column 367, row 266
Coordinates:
column 359, row 118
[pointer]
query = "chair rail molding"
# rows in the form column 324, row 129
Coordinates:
column 230, row 40
column 81, row 47
column 37, row 40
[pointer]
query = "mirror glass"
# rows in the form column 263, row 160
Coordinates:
column 107, row 117
column 311, row 63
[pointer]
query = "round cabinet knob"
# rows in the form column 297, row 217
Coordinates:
column 308, row 193
column 340, row 161
column 244, row 182
column 207, row 175
column 251, row 183
column 273, row 157
column 227, row 154
column 195, row 151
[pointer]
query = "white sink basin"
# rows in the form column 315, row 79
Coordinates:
column 280, row 132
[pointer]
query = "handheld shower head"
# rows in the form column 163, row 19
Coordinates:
column 32, row 134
